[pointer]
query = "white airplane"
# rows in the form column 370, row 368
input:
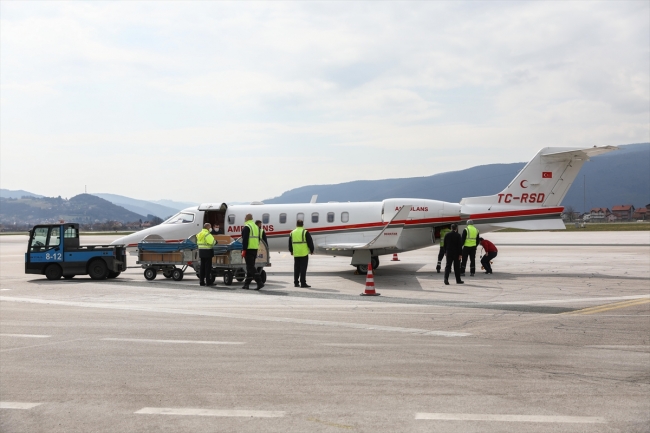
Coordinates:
column 366, row 230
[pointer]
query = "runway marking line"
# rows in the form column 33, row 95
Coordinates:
column 25, row 335
column 18, row 405
column 148, row 309
column 564, row 301
column 210, row 412
column 509, row 418
column 146, row 340
column 608, row 307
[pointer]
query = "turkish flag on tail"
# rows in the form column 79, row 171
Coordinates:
column 547, row 175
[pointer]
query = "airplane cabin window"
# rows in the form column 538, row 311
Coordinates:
column 300, row 216
column 283, row 218
column 314, row 217
column 345, row 217
column 265, row 218
column 231, row 219
column 330, row 217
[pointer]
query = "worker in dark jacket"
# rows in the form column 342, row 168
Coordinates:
column 300, row 246
column 250, row 240
column 490, row 253
column 470, row 242
column 205, row 242
column 443, row 231
column 453, row 253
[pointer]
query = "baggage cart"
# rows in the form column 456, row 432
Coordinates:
column 172, row 259
column 229, row 264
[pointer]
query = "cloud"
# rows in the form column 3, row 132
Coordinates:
column 346, row 91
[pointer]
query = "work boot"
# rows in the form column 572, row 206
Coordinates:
column 305, row 286
column 460, row 282
column 245, row 287
column 446, row 283
column 438, row 269
column 201, row 283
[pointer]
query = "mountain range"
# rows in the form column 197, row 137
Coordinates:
column 615, row 178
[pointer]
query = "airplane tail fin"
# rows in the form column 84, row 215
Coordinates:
column 544, row 181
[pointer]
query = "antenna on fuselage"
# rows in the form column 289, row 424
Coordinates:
column 313, row 198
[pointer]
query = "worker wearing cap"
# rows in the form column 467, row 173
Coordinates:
column 443, row 231
column 490, row 253
column 250, row 239
column 300, row 246
column 205, row 241
column 453, row 252
column 470, row 242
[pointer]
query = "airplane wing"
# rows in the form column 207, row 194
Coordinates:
column 387, row 238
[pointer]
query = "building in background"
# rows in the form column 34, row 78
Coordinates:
column 623, row 212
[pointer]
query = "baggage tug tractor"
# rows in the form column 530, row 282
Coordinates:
column 54, row 251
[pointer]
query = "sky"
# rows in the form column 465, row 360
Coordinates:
column 240, row 101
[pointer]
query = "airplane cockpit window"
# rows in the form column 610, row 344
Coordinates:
column 266, row 218
column 39, row 239
column 345, row 217
column 55, row 237
column 231, row 219
column 180, row 218
column 314, row 217
column 283, row 218
column 330, row 217
column 300, row 216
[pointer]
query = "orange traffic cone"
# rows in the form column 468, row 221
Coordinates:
column 395, row 259
column 370, row 283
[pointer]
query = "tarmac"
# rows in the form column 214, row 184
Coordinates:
column 556, row 340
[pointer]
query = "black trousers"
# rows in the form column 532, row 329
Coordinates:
column 205, row 271
column 251, row 271
column 456, row 263
column 441, row 254
column 485, row 261
column 300, row 270
column 471, row 252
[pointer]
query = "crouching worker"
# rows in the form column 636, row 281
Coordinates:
column 205, row 241
column 490, row 253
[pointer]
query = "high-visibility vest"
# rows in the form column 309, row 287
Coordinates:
column 299, row 242
column 443, row 232
column 472, row 236
column 204, row 239
column 253, row 235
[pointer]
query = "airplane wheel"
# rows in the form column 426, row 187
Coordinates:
column 98, row 270
column 227, row 278
column 177, row 274
column 362, row 269
column 150, row 274
column 374, row 260
column 53, row 272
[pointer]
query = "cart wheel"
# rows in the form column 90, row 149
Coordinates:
column 167, row 274
column 150, row 274
column 177, row 274
column 227, row 278
column 240, row 275
column 263, row 276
